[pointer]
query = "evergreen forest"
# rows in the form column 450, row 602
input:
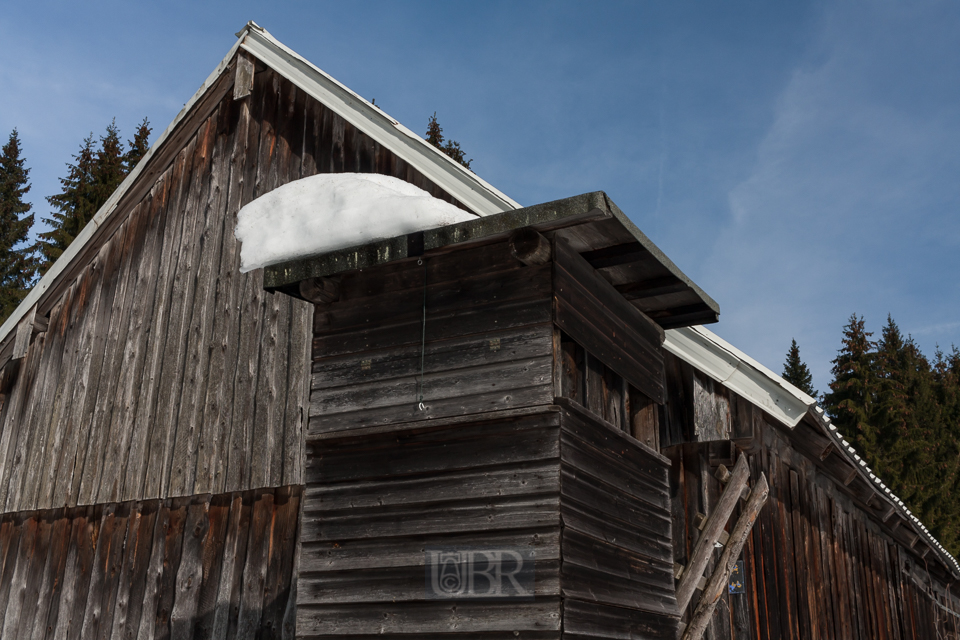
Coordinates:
column 901, row 411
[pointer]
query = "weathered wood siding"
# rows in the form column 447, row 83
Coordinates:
column 488, row 341
column 203, row 567
column 616, row 540
column 165, row 371
column 489, row 460
column 824, row 560
column 373, row 504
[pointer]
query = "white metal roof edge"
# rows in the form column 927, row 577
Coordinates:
column 474, row 192
column 87, row 233
column 742, row 374
column 739, row 372
column 469, row 189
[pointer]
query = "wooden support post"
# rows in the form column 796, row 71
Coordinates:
column 529, row 247
column 718, row 581
column 711, row 533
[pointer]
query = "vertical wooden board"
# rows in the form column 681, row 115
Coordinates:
column 61, row 435
column 266, row 388
column 99, row 572
column 143, row 288
column 199, row 332
column 219, row 273
column 255, row 569
column 771, row 576
column 711, row 410
column 146, row 628
column 273, row 150
column 29, row 536
column 172, row 554
column 159, row 407
column 280, row 560
column 243, row 533
column 217, row 406
column 189, row 579
column 232, row 541
column 249, row 315
column 798, row 557
column 144, row 481
column 117, row 606
column 76, row 575
column 212, row 559
column 96, row 324
column 103, row 446
column 138, row 387
column 184, row 290
column 11, row 558
column 277, row 421
column 45, row 406
column 48, row 590
column 135, row 573
column 105, row 477
column 34, row 564
column 13, row 421
column 297, row 392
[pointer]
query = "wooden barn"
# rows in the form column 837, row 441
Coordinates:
column 510, row 427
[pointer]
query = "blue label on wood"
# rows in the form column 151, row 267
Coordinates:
column 736, row 578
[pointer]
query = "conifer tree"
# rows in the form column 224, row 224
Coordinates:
column 850, row 400
column 17, row 265
column 795, row 371
column 138, row 146
column 451, row 148
column 96, row 173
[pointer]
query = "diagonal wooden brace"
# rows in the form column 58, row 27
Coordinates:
column 712, row 529
column 721, row 576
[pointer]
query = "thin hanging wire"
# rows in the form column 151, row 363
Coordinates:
column 423, row 334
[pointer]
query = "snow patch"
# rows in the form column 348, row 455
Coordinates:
column 333, row 211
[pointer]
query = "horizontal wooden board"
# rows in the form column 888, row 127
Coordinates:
column 415, row 619
column 594, row 314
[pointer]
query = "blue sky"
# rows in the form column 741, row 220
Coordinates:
column 800, row 161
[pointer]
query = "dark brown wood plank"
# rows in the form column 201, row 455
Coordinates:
column 183, row 616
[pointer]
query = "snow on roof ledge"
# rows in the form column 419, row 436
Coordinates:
column 739, row 372
column 331, row 211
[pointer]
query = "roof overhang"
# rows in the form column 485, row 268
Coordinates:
column 592, row 224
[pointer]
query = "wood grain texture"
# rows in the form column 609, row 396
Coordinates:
column 150, row 569
column 818, row 563
column 164, row 371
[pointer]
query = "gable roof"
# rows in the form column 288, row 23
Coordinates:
column 473, row 192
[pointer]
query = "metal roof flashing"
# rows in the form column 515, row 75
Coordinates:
column 745, row 376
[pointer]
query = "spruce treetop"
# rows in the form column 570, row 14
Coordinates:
column 795, row 371
column 451, row 148
column 17, row 265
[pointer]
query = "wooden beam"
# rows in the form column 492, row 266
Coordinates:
column 529, row 247
column 718, row 581
column 320, row 290
column 652, row 287
column 24, row 332
column 711, row 533
column 243, row 84
column 616, row 255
